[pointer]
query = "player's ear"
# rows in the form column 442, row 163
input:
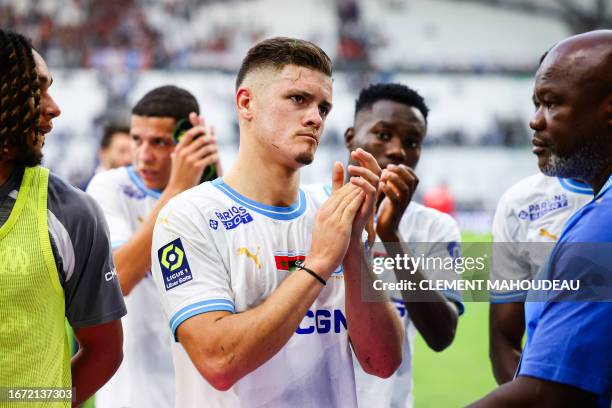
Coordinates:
column 244, row 103
column 349, row 138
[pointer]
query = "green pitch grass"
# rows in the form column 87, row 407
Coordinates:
column 462, row 373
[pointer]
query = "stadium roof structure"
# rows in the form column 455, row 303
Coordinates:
column 579, row 15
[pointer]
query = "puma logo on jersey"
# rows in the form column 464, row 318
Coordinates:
column 544, row 233
column 161, row 220
column 250, row 255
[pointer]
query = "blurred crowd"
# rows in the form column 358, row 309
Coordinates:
column 86, row 33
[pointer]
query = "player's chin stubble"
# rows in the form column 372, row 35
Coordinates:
column 304, row 158
column 584, row 164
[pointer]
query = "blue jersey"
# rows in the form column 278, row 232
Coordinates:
column 569, row 340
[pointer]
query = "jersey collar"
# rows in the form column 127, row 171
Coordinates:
column 278, row 213
column 575, row 186
column 140, row 184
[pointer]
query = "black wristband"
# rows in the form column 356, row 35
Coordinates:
column 300, row 265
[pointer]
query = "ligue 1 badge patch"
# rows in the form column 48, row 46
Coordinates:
column 174, row 265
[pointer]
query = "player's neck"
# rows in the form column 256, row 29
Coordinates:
column 598, row 182
column 264, row 181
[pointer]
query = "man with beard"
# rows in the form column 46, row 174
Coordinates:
column 567, row 359
column 528, row 221
column 55, row 259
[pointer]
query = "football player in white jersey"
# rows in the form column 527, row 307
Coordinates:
column 528, row 220
column 131, row 198
column 391, row 123
column 261, row 289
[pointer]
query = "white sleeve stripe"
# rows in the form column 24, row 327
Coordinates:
column 64, row 244
column 198, row 308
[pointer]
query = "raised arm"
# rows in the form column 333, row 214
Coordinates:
column 191, row 155
column 225, row 346
column 374, row 327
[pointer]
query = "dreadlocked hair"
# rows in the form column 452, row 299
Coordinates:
column 19, row 92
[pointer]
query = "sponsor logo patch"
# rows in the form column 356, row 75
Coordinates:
column 132, row 192
column 540, row 209
column 323, row 321
column 213, row 224
column 233, row 217
column 174, row 266
column 109, row 276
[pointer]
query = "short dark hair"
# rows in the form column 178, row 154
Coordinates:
column 18, row 85
column 390, row 92
column 278, row 52
column 167, row 101
column 111, row 130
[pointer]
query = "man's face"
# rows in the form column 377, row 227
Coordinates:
column 153, row 145
column 289, row 111
column 48, row 111
column 119, row 152
column 392, row 132
column 568, row 135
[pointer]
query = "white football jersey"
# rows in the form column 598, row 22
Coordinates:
column 213, row 250
column 438, row 235
column 528, row 220
column 146, row 376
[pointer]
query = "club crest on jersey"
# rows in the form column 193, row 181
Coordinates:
column 174, row 266
column 233, row 217
column 540, row 209
column 132, row 192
